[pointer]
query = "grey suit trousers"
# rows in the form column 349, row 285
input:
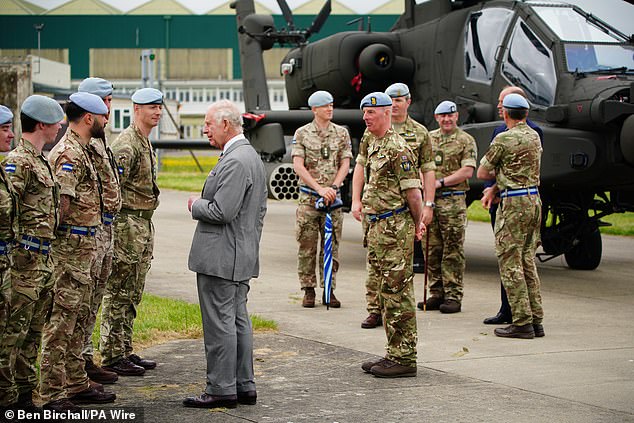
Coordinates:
column 227, row 334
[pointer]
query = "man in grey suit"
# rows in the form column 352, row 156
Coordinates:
column 224, row 255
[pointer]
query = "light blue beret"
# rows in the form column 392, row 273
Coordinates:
column 147, row 96
column 515, row 101
column 397, row 90
column 376, row 99
column 90, row 103
column 43, row 109
column 96, row 86
column 6, row 115
column 320, row 98
column 446, row 107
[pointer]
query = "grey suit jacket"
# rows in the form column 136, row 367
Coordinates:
column 230, row 215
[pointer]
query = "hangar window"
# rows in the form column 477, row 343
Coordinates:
column 483, row 35
column 529, row 64
column 122, row 119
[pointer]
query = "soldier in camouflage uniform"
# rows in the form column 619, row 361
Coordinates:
column 134, row 236
column 8, row 219
column 455, row 154
column 514, row 159
column 417, row 138
column 62, row 367
column 103, row 160
column 321, row 158
column 392, row 204
column 32, row 266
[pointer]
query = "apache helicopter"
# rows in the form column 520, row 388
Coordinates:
column 577, row 71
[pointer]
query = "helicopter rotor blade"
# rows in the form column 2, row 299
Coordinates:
column 288, row 15
column 320, row 19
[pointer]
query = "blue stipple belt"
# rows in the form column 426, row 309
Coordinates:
column 519, row 192
column 34, row 244
column 78, row 230
column 450, row 193
column 385, row 215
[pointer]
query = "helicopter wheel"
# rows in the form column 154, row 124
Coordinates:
column 586, row 255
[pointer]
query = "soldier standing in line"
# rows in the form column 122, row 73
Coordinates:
column 134, row 236
column 514, row 159
column 8, row 219
column 32, row 266
column 417, row 138
column 62, row 368
column 392, row 203
column 321, row 159
column 455, row 154
column 103, row 160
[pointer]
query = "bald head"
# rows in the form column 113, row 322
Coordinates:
column 506, row 91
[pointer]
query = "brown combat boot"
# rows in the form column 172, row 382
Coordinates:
column 373, row 320
column 334, row 302
column 366, row 366
column 309, row 298
column 433, row 303
column 388, row 368
column 98, row 374
column 513, row 331
column 450, row 306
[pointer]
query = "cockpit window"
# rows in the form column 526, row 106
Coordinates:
column 483, row 35
column 585, row 57
column 529, row 64
column 569, row 25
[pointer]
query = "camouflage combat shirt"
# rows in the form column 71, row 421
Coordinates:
column 417, row 137
column 137, row 168
column 8, row 208
column 452, row 152
column 37, row 191
column 76, row 174
column 390, row 172
column 103, row 160
column 516, row 157
column 323, row 151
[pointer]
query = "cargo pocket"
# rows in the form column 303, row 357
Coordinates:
column 70, row 289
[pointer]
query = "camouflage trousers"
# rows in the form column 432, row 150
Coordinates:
column 30, row 303
column 62, row 367
column 309, row 230
column 446, row 262
column 517, row 227
column 390, row 253
column 100, row 273
column 5, row 291
column 133, row 246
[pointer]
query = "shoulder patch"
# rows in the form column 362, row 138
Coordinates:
column 120, row 170
column 405, row 163
column 294, row 141
column 68, row 167
column 10, row 168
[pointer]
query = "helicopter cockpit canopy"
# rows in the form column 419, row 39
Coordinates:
column 589, row 45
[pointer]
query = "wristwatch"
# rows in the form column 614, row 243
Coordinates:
column 442, row 182
column 430, row 204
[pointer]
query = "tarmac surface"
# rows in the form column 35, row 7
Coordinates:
column 309, row 371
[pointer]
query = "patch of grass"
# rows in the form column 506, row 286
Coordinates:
column 622, row 223
column 182, row 174
column 162, row 319
column 182, row 181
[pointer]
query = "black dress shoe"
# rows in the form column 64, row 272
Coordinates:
column 539, row 330
column 146, row 364
column 247, row 398
column 498, row 319
column 125, row 367
column 211, row 401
